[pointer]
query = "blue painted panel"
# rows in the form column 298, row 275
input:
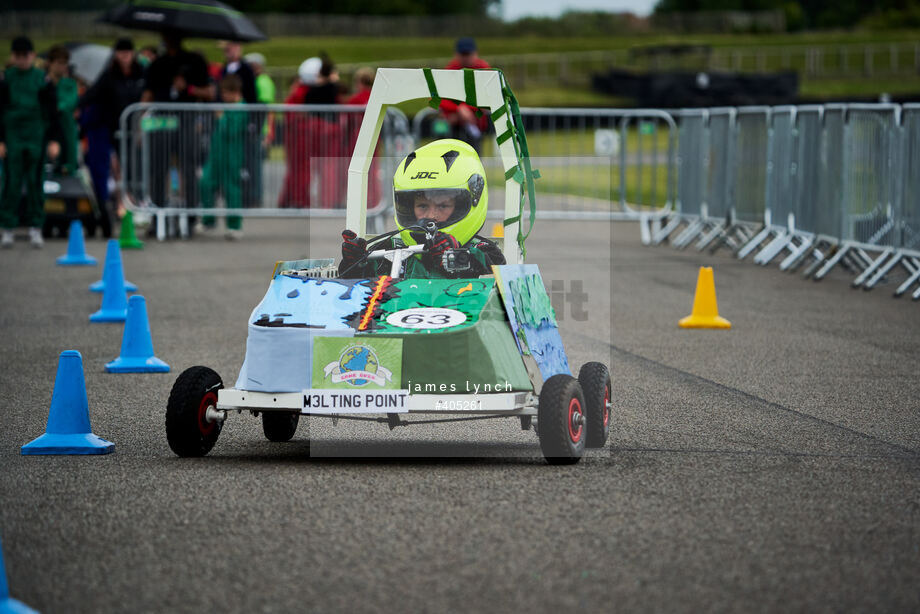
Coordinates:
column 532, row 318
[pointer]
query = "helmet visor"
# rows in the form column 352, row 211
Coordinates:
column 443, row 205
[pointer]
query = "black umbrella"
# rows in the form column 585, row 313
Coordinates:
column 192, row 18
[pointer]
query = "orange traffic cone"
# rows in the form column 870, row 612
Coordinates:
column 705, row 311
column 498, row 230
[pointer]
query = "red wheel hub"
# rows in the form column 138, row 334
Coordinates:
column 576, row 420
column 208, row 400
column 606, row 406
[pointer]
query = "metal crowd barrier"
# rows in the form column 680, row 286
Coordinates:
column 808, row 186
column 593, row 163
column 181, row 160
column 819, row 185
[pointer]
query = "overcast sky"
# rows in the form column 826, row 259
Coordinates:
column 515, row 9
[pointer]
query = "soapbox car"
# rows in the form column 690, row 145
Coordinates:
column 368, row 349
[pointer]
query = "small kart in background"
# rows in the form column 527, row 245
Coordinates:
column 69, row 197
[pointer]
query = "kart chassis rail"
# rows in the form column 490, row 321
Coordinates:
column 483, row 404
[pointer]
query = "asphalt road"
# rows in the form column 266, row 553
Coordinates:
column 772, row 467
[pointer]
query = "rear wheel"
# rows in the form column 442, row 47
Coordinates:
column 595, row 384
column 189, row 431
column 279, row 425
column 561, row 420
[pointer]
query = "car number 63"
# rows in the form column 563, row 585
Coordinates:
column 426, row 317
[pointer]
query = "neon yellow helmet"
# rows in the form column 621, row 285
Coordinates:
column 442, row 181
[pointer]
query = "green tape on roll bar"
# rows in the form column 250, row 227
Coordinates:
column 469, row 86
column 435, row 101
column 528, row 176
column 523, row 173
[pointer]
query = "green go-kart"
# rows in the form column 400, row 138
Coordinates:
column 323, row 346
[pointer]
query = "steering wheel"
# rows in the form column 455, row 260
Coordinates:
column 430, row 227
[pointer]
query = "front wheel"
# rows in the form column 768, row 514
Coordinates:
column 595, row 383
column 561, row 420
column 279, row 425
column 189, row 431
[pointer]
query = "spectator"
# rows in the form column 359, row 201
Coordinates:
column 176, row 76
column 28, row 122
column 462, row 117
column 325, row 146
column 265, row 94
column 236, row 65
column 265, row 87
column 225, row 158
column 313, row 141
column 120, row 85
column 326, row 89
column 66, row 90
column 252, row 175
column 296, row 189
column 147, row 55
column 363, row 82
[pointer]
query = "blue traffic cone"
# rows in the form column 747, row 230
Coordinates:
column 68, row 430
column 112, row 259
column 136, row 343
column 114, row 297
column 76, row 250
column 8, row 605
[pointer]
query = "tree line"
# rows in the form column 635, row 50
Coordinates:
column 814, row 14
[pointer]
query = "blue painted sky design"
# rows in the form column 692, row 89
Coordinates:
column 314, row 302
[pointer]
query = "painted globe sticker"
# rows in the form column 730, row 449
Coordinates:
column 357, row 365
column 426, row 317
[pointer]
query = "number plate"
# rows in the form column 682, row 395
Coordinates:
column 426, row 317
column 355, row 402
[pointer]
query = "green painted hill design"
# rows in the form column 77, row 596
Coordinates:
column 468, row 296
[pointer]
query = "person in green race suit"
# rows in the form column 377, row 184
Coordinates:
column 28, row 122
column 442, row 182
column 265, row 93
column 226, row 158
column 265, row 87
column 67, row 98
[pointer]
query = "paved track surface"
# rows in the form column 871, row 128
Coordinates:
column 773, row 467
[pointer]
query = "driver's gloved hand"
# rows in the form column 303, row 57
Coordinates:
column 353, row 248
column 437, row 245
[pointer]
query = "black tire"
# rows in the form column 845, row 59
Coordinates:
column 560, row 420
column 279, row 425
column 187, row 431
column 595, row 384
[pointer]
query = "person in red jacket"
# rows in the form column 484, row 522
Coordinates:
column 462, row 117
column 363, row 82
column 313, row 141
